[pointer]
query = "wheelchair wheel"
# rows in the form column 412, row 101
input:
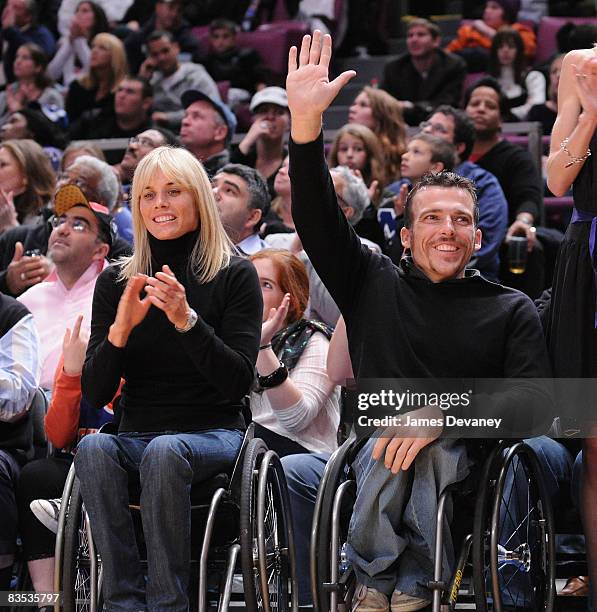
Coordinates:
column 332, row 578
column 81, row 565
column 513, row 541
column 267, row 555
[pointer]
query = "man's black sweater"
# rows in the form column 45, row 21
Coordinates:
column 518, row 177
column 399, row 323
column 178, row 382
column 442, row 84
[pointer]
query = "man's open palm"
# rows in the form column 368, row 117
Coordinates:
column 308, row 86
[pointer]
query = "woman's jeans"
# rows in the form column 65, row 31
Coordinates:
column 168, row 464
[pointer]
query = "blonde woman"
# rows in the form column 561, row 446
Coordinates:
column 180, row 321
column 382, row 114
column 95, row 89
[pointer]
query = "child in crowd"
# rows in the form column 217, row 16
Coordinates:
column 522, row 88
column 358, row 148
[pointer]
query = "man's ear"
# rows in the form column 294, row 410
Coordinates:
column 101, row 252
column 220, row 132
column 436, row 167
column 478, row 237
column 254, row 217
column 405, row 237
column 460, row 147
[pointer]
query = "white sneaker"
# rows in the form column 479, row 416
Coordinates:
column 46, row 511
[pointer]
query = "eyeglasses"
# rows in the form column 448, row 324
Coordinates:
column 143, row 141
column 435, row 127
column 75, row 223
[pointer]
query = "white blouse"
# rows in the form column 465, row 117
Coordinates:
column 313, row 421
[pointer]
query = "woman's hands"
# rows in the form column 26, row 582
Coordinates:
column 162, row 290
column 585, row 73
column 165, row 292
column 275, row 321
column 74, row 346
column 8, row 213
column 131, row 310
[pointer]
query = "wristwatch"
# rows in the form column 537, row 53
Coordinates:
column 191, row 320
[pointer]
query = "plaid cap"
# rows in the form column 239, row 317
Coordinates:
column 71, row 195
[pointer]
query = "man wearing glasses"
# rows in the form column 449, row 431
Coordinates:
column 78, row 245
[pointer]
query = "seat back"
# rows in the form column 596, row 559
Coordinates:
column 546, row 35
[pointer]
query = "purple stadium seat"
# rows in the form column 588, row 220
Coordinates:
column 558, row 211
column 546, row 35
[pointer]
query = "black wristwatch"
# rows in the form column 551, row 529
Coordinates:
column 275, row 379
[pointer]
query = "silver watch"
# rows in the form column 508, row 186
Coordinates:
column 191, row 320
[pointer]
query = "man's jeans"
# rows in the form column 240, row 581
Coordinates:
column 167, row 463
column 391, row 538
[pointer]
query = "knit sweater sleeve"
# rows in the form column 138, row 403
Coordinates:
column 228, row 360
column 332, row 245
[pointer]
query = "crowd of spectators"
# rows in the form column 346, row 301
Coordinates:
column 141, row 71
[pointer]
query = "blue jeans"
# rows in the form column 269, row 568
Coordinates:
column 168, row 464
column 391, row 538
column 303, row 474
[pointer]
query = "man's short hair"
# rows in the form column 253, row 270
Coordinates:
column 259, row 197
column 492, row 84
column 223, row 24
column 430, row 26
column 108, row 188
column 158, row 34
column 441, row 150
column 355, row 192
column 449, row 180
column 464, row 128
column 146, row 86
column 170, row 138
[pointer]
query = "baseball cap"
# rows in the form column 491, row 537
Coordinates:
column 70, row 195
column 194, row 95
column 269, row 95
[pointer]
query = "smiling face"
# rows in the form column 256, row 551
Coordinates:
column 167, row 208
column 352, row 152
column 442, row 236
column 360, row 112
column 269, row 280
column 164, row 53
column 282, row 180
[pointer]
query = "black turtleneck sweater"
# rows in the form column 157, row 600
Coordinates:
column 178, row 382
column 399, row 323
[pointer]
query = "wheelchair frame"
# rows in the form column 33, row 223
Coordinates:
column 257, row 492
column 332, row 578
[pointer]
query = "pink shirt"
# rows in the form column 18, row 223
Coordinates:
column 54, row 308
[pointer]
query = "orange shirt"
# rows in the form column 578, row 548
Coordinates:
column 467, row 36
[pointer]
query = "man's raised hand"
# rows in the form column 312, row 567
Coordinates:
column 308, row 86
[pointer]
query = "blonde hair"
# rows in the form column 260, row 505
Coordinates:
column 375, row 164
column 118, row 63
column 213, row 248
column 389, row 128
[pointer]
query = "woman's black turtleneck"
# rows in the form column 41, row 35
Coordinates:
column 173, row 381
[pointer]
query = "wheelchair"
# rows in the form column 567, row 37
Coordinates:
column 240, row 525
column 510, row 545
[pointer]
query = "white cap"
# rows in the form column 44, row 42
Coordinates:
column 269, row 95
